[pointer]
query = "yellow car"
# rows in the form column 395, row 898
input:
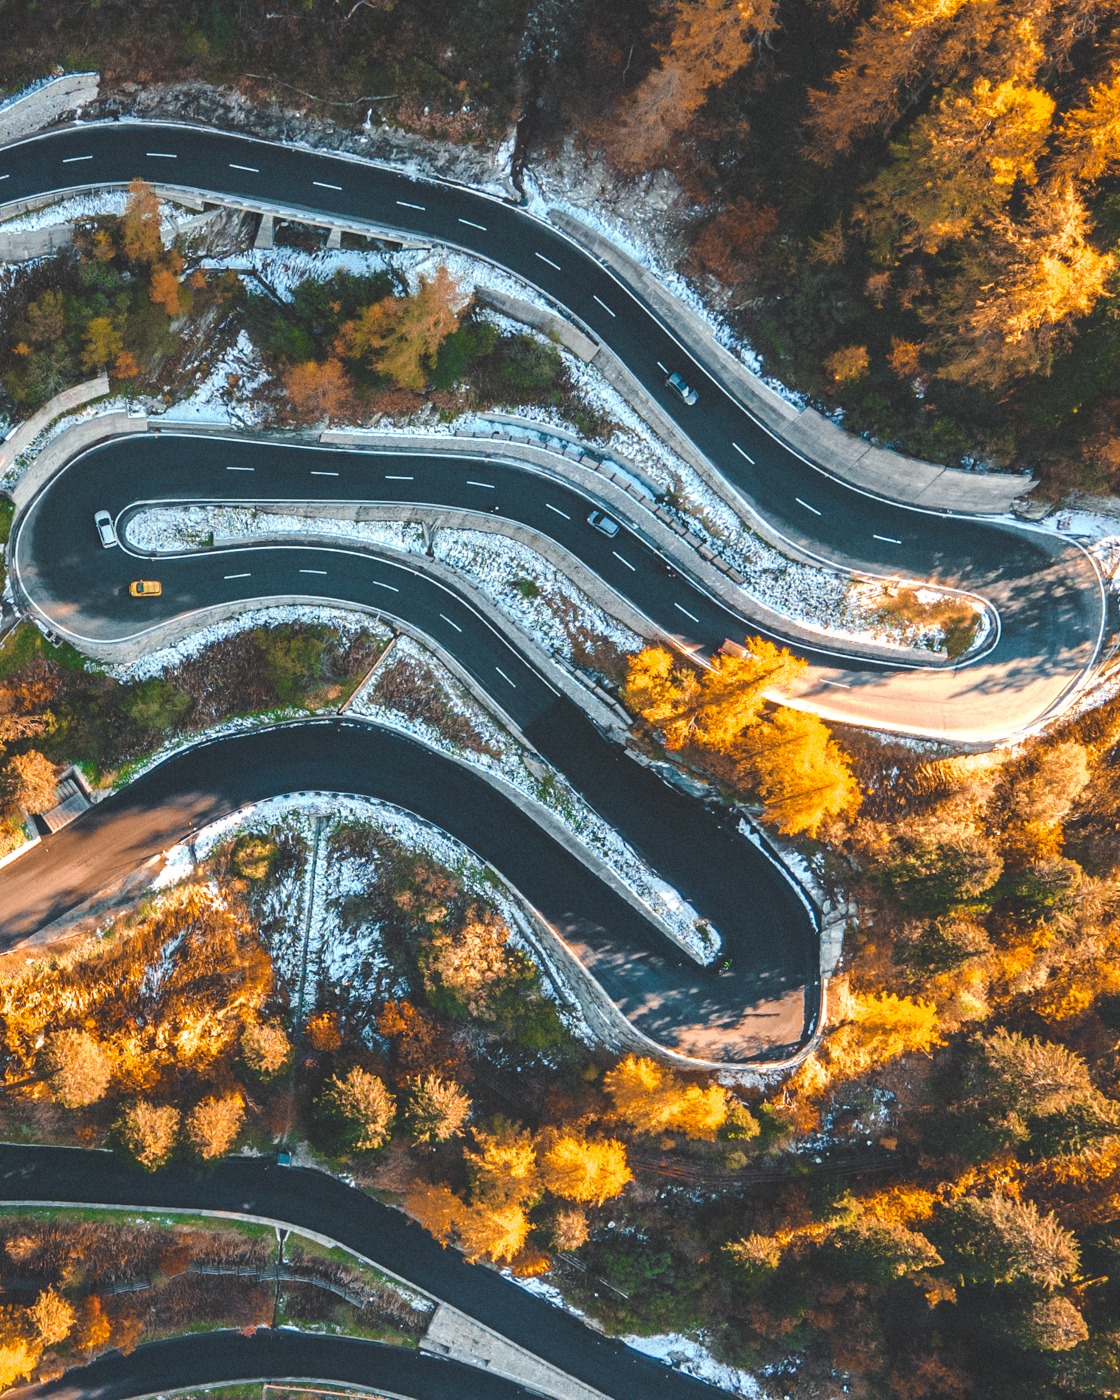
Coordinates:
column 145, row 588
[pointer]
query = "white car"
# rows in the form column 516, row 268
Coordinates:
column 105, row 532
column 599, row 520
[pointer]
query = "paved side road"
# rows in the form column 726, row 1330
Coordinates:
column 230, row 1358
column 313, row 1201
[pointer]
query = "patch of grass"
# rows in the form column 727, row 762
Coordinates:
column 163, row 1219
column 26, row 644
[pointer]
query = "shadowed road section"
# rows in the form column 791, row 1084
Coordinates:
column 229, row 1358
column 311, row 1200
column 762, row 1003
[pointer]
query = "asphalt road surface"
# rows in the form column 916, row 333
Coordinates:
column 313, row 1201
column 229, row 1358
column 1048, row 595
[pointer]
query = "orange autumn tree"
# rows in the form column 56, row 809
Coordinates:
column 400, row 337
column 711, row 40
column 141, row 233
column 319, row 391
column 165, row 289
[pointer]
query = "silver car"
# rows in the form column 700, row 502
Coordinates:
column 105, row 532
column 681, row 389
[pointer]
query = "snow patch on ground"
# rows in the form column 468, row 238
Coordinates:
column 172, row 529
column 674, row 1349
column 226, row 391
column 547, row 604
column 502, row 757
column 691, row 1357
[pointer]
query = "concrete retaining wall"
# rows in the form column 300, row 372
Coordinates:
column 529, row 314
column 46, row 105
column 34, row 243
column 57, row 453
column 873, row 469
column 453, row 1333
column 75, row 397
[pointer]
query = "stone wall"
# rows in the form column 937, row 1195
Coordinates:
column 65, row 402
column 46, row 105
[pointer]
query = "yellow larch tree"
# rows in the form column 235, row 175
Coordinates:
column 653, row 1099
column 711, row 708
column 141, row 229
column 400, row 337
column 959, row 165
column 436, row 1208
column 578, row 1168
column 18, row 1358
column 77, row 1068
column 496, row 1232
column 1021, row 296
column 319, row 390
column 265, row 1048
column 150, row 1132
column 891, row 48
column 1090, row 146
column 438, row 1108
column 504, row 1162
column 213, row 1124
column 802, row 774
column 52, row 1316
column 362, row 1099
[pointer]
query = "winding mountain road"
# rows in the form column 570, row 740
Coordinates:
column 759, row 1001
column 1049, row 597
column 312, row 1201
column 226, row 1358
column 765, row 1000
